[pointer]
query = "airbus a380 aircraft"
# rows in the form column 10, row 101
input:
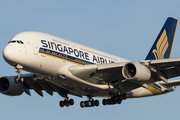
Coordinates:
column 61, row 66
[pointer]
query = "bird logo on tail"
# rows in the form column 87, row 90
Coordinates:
column 161, row 46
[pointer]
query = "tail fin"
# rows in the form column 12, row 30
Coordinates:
column 162, row 47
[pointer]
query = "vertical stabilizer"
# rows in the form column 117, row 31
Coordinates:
column 162, row 47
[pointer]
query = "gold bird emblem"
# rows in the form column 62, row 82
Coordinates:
column 161, row 46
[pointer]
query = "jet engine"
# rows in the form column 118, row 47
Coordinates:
column 9, row 87
column 136, row 72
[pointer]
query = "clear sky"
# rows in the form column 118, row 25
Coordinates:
column 120, row 27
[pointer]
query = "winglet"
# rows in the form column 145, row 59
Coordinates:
column 162, row 47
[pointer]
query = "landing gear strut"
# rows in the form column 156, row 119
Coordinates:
column 19, row 68
column 89, row 103
column 66, row 102
column 114, row 99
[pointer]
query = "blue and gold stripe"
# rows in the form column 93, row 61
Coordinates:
column 64, row 56
column 155, row 89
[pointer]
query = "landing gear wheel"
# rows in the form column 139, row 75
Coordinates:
column 124, row 96
column 92, row 103
column 82, row 104
column 96, row 102
column 119, row 102
column 66, row 103
column 104, row 102
column 71, row 101
column 115, row 99
column 89, row 103
column 21, row 80
column 16, row 80
column 61, row 103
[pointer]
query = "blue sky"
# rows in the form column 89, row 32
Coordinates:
column 123, row 28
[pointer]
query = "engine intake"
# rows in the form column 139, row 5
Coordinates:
column 136, row 72
column 9, row 87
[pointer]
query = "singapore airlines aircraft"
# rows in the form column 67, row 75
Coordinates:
column 61, row 66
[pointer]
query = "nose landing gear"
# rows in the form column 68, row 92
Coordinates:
column 18, row 78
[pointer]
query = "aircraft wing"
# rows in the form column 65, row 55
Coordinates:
column 160, row 70
column 99, row 73
column 164, row 63
column 39, row 83
column 169, row 68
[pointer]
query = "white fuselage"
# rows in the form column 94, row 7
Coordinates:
column 49, row 52
column 50, row 57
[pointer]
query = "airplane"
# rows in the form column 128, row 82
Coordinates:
column 68, row 68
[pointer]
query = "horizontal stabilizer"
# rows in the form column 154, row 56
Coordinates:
column 171, row 83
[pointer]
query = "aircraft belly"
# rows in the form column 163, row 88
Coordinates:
column 80, row 88
column 70, row 79
column 139, row 92
column 63, row 78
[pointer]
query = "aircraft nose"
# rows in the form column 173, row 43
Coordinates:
column 8, row 54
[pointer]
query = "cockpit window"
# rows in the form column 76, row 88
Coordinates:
column 21, row 42
column 13, row 41
column 16, row 41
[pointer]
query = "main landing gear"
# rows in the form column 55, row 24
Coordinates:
column 114, row 99
column 89, row 103
column 66, row 102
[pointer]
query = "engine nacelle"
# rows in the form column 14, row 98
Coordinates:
column 9, row 87
column 136, row 72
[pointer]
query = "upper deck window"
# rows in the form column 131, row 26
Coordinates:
column 16, row 41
